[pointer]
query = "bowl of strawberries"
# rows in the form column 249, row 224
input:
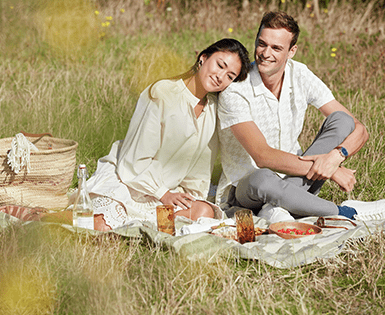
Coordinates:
column 294, row 229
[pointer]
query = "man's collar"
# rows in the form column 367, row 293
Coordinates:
column 257, row 83
column 256, row 80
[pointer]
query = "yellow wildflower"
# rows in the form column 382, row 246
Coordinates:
column 122, row 10
column 96, row 12
column 11, row 7
column 109, row 18
column 326, row 10
column 333, row 55
column 308, row 5
column 334, row 49
column 312, row 14
column 283, row 1
column 230, row 30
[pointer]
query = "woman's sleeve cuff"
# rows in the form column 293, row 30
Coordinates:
column 160, row 192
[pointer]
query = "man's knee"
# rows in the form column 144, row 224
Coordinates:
column 343, row 122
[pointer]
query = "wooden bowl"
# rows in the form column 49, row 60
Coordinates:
column 275, row 227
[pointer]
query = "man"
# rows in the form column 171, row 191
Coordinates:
column 260, row 120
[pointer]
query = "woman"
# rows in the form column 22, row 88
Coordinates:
column 170, row 147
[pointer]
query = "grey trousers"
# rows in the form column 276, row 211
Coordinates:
column 296, row 194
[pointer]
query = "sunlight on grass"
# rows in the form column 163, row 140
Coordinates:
column 26, row 289
column 69, row 27
column 154, row 62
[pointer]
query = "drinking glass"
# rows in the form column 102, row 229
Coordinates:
column 165, row 219
column 245, row 226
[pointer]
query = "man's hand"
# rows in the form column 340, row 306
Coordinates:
column 345, row 178
column 182, row 200
column 324, row 165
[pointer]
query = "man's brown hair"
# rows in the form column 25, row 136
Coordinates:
column 279, row 19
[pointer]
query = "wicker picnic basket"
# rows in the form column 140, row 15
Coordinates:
column 47, row 182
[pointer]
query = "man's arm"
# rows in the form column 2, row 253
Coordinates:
column 252, row 139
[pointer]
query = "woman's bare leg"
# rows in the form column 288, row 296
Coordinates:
column 100, row 223
column 198, row 209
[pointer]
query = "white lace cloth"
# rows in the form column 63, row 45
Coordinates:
column 114, row 213
column 19, row 154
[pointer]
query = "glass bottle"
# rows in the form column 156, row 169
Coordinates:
column 83, row 213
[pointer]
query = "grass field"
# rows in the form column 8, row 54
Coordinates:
column 75, row 68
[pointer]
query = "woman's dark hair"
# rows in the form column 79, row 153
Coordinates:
column 224, row 45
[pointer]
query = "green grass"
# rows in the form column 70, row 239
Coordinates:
column 74, row 274
column 88, row 92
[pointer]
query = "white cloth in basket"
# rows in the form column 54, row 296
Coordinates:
column 19, row 154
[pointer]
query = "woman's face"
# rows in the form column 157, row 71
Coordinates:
column 219, row 70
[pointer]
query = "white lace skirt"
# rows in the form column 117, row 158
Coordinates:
column 115, row 214
column 118, row 203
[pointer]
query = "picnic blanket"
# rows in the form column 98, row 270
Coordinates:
column 271, row 249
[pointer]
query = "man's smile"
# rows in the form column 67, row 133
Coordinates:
column 261, row 59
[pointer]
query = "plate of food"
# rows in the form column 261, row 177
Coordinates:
column 230, row 231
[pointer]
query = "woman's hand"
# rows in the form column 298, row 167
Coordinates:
column 182, row 200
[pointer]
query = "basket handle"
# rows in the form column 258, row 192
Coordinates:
column 36, row 135
column 26, row 134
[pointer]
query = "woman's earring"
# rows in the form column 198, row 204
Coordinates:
column 200, row 64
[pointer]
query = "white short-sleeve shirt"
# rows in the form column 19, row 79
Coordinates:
column 280, row 121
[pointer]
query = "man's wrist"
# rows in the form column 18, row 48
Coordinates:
column 343, row 152
column 338, row 156
column 340, row 153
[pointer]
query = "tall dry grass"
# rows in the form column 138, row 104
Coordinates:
column 48, row 270
column 50, row 84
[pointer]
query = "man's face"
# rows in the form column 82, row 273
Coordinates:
column 273, row 50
